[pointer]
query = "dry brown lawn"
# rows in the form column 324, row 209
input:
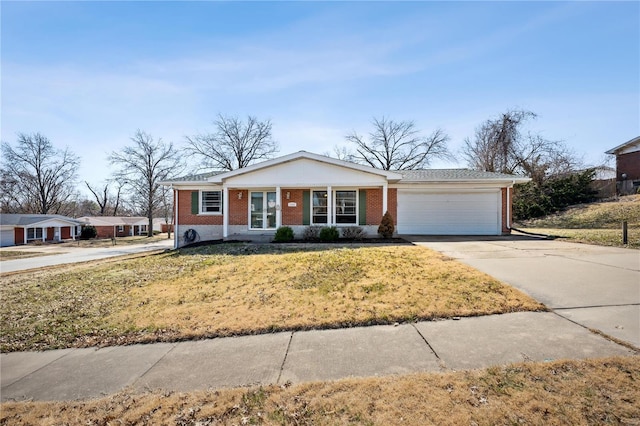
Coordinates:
column 20, row 254
column 592, row 392
column 232, row 289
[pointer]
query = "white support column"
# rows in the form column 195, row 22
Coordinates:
column 225, row 212
column 329, row 207
column 278, row 207
column 73, row 232
column 385, row 189
column 25, row 235
column 44, row 234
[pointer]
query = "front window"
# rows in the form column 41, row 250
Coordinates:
column 211, row 202
column 120, row 228
column 34, row 233
column 345, row 207
column 319, row 207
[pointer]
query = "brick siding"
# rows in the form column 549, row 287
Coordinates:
column 184, row 212
column 291, row 216
column 629, row 164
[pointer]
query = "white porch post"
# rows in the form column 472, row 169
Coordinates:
column 73, row 232
column 57, row 230
column 385, row 189
column 278, row 208
column 44, row 234
column 225, row 211
column 329, row 207
column 25, row 234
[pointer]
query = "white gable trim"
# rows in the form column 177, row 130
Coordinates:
column 304, row 155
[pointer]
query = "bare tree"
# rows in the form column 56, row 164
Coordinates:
column 105, row 199
column 234, row 144
column 37, row 177
column 500, row 146
column 398, row 146
column 142, row 166
column 340, row 152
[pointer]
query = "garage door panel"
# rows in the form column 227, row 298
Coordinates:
column 461, row 213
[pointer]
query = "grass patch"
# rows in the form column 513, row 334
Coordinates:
column 232, row 289
column 596, row 223
column 600, row 391
column 107, row 242
column 20, row 254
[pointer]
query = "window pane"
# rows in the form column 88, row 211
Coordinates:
column 319, row 207
column 345, row 207
column 256, row 210
column 212, row 202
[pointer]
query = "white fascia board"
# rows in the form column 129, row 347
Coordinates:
column 633, row 144
column 309, row 156
column 476, row 183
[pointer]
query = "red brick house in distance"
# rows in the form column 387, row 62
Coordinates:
column 304, row 189
column 627, row 166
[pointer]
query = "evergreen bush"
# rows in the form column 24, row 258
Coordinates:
column 386, row 227
column 284, row 234
column 88, row 232
column 329, row 234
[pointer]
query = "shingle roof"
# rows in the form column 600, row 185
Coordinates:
column 437, row 175
column 17, row 219
column 201, row 177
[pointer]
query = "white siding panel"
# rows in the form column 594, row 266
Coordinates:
column 450, row 213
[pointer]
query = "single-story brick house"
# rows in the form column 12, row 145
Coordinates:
column 120, row 226
column 627, row 166
column 303, row 189
column 16, row 229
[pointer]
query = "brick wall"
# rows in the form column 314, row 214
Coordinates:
column 392, row 204
column 374, row 205
column 238, row 208
column 184, row 212
column 629, row 164
column 18, row 235
column 291, row 216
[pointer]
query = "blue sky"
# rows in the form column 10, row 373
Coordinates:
column 88, row 74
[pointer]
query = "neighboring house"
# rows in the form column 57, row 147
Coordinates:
column 604, row 182
column 303, row 189
column 627, row 166
column 119, row 226
column 25, row 228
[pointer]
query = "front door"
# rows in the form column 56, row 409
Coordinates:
column 262, row 214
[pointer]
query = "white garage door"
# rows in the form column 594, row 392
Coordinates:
column 452, row 213
column 6, row 237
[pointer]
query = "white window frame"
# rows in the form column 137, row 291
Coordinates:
column 120, row 228
column 35, row 234
column 335, row 206
column 201, row 205
column 311, row 215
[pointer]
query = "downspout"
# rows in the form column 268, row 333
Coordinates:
column 509, row 206
column 175, row 218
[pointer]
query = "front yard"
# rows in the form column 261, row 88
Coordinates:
column 230, row 289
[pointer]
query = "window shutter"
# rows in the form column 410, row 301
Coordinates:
column 362, row 207
column 194, row 202
column 306, row 208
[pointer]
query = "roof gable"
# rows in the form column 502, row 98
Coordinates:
column 632, row 145
column 281, row 163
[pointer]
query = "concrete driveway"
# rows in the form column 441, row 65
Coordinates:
column 78, row 254
column 594, row 286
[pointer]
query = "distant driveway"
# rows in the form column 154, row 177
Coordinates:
column 80, row 254
column 597, row 287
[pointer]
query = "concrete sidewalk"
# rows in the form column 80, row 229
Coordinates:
column 295, row 357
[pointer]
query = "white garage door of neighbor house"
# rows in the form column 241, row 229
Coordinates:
column 453, row 213
column 6, row 237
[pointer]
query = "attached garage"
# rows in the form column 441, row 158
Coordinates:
column 431, row 212
column 6, row 237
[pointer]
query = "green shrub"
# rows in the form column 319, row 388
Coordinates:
column 386, row 227
column 353, row 232
column 311, row 233
column 88, row 232
column 284, row 234
column 329, row 233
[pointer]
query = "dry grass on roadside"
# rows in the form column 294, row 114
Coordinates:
column 20, row 254
column 599, row 391
column 107, row 242
column 230, row 289
column 602, row 237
